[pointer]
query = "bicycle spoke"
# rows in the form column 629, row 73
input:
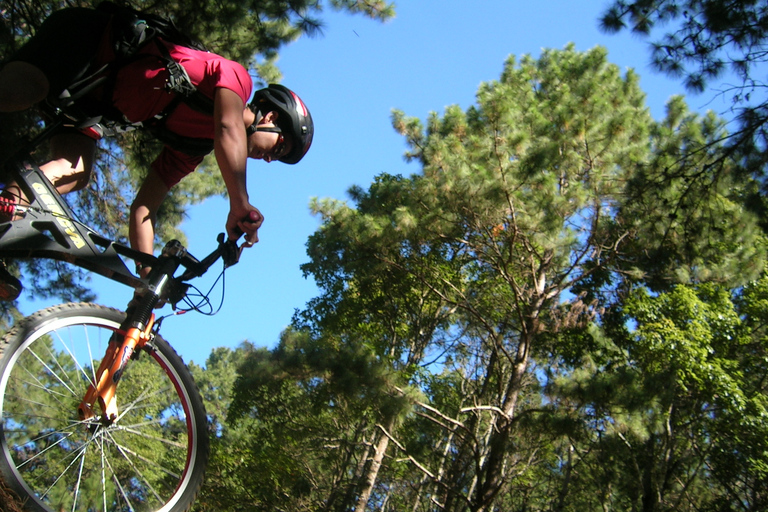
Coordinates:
column 103, row 460
column 75, row 457
column 79, row 480
column 36, row 383
column 144, row 397
column 119, row 485
column 125, row 452
column 68, row 347
column 167, row 442
column 39, row 455
column 51, row 372
column 35, row 404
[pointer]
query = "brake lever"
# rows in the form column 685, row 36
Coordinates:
column 230, row 251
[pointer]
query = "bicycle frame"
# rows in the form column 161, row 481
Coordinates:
column 48, row 231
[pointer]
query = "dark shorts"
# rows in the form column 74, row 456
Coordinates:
column 65, row 45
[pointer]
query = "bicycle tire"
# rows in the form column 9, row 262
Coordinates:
column 152, row 458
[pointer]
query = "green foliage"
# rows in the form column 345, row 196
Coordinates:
column 701, row 42
column 672, row 409
column 499, row 284
column 688, row 203
column 288, row 425
column 465, row 265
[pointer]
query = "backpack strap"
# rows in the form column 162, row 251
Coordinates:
column 180, row 84
column 185, row 92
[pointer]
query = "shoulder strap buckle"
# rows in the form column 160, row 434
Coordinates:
column 178, row 80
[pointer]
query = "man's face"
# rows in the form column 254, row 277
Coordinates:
column 268, row 146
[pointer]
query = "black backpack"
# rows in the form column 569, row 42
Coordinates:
column 132, row 30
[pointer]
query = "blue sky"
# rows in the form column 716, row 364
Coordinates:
column 433, row 54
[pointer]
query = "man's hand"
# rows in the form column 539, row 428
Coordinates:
column 246, row 222
column 231, row 150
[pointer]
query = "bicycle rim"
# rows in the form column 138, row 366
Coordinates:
column 152, row 458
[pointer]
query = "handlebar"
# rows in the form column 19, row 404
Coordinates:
column 228, row 250
column 163, row 285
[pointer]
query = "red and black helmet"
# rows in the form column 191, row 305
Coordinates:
column 293, row 118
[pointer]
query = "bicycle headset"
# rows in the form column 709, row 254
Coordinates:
column 293, row 118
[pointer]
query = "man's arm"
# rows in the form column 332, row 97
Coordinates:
column 231, row 151
column 143, row 212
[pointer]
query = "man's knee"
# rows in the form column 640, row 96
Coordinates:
column 66, row 176
column 72, row 162
column 22, row 85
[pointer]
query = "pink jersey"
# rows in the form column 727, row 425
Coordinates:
column 139, row 93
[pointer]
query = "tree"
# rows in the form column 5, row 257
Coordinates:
column 706, row 39
column 473, row 286
column 689, row 204
column 290, row 430
column 524, row 185
column 703, row 41
column 670, row 412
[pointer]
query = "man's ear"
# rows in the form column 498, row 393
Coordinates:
column 269, row 117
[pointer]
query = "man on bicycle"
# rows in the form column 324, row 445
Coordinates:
column 216, row 116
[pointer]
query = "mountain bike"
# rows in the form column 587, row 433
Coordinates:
column 98, row 410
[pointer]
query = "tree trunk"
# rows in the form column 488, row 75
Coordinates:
column 491, row 474
column 372, row 472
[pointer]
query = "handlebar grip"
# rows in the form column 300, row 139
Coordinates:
column 251, row 217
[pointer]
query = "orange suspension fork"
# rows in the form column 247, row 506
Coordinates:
column 110, row 371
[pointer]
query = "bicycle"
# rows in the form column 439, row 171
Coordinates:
column 124, row 432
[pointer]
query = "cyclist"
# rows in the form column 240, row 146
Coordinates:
column 274, row 125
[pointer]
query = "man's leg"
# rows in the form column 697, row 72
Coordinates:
column 73, row 155
column 143, row 213
column 69, row 170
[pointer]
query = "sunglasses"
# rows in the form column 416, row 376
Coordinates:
column 280, row 149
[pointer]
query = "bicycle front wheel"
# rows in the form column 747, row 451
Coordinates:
column 151, row 458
